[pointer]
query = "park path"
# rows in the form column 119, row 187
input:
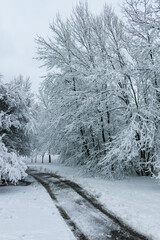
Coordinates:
column 86, row 217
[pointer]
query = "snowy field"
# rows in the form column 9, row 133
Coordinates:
column 28, row 213
column 135, row 200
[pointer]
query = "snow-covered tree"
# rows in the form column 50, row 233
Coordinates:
column 15, row 104
column 43, row 140
column 15, row 127
column 142, row 19
column 102, row 88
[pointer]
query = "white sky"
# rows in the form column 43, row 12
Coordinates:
column 20, row 22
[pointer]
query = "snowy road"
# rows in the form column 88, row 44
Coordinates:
column 28, row 213
column 82, row 212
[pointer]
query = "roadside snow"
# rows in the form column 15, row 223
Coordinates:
column 136, row 200
column 28, row 213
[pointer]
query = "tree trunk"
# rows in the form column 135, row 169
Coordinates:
column 36, row 158
column 103, row 134
column 108, row 121
column 49, row 156
column 92, row 135
column 84, row 142
column 43, row 157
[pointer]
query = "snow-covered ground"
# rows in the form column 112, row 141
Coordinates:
column 28, row 213
column 136, row 200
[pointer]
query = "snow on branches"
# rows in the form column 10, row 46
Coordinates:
column 15, row 124
column 103, row 89
column 12, row 167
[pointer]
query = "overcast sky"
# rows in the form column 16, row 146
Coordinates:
column 20, row 22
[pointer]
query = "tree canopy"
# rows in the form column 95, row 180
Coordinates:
column 101, row 94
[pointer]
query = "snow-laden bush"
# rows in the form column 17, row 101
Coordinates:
column 16, row 116
column 12, row 167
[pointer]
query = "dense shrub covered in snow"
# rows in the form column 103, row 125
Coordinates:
column 16, row 116
column 16, row 133
column 12, row 167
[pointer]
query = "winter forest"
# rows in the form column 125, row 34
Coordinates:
column 98, row 105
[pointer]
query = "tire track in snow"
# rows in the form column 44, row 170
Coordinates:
column 86, row 217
